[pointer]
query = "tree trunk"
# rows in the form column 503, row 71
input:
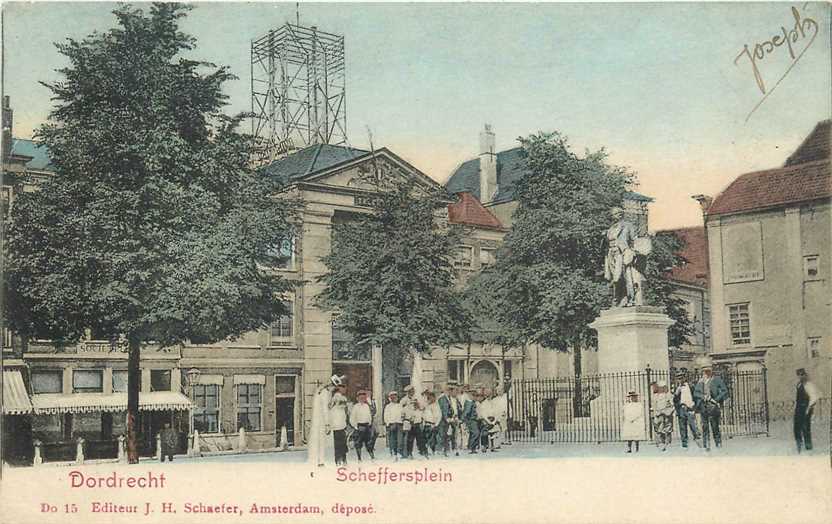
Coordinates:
column 134, row 385
column 577, row 397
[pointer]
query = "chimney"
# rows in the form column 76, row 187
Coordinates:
column 8, row 118
column 704, row 202
column 488, row 165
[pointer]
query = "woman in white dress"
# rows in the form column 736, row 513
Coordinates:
column 633, row 428
column 321, row 445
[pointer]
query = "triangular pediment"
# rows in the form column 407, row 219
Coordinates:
column 358, row 174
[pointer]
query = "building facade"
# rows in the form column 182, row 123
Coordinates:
column 769, row 238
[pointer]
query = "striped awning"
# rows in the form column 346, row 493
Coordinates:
column 51, row 403
column 15, row 399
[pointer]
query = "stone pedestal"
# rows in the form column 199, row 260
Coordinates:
column 632, row 339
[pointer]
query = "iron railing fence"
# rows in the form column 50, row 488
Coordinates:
column 589, row 408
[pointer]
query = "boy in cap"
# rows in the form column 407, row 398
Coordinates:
column 412, row 425
column 662, row 413
column 393, row 423
column 685, row 409
column 632, row 421
column 361, row 417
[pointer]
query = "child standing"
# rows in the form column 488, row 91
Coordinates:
column 632, row 421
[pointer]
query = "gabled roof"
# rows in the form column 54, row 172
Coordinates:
column 309, row 160
column 695, row 251
column 38, row 152
column 468, row 211
column 511, row 166
column 775, row 187
column 816, row 146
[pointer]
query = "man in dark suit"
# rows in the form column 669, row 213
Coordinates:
column 806, row 395
column 709, row 394
column 448, row 425
column 471, row 421
column 170, row 439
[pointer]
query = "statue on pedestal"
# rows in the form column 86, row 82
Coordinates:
column 626, row 261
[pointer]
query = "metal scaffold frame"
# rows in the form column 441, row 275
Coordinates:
column 297, row 90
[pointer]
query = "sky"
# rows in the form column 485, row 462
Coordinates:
column 659, row 86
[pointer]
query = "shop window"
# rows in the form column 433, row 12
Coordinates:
column 249, row 406
column 87, row 381
column 206, row 399
column 119, row 380
column 48, row 381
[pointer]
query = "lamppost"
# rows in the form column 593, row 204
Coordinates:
column 192, row 377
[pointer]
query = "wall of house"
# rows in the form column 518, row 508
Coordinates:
column 758, row 258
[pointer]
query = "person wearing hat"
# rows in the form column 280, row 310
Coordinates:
column 431, row 418
column 392, row 417
column 471, row 420
column 338, row 413
column 320, row 442
column 448, row 426
column 806, row 395
column 633, row 428
column 361, row 417
column 709, row 394
column 685, row 409
column 412, row 422
column 662, row 414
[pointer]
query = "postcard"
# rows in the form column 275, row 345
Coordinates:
column 416, row 262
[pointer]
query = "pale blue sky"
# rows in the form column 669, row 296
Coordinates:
column 655, row 84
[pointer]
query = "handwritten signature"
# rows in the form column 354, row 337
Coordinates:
column 804, row 31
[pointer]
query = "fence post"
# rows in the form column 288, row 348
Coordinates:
column 79, row 451
column 38, row 460
column 649, row 404
column 241, row 440
column 122, row 452
column 765, row 398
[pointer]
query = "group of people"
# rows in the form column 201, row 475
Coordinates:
column 458, row 418
column 694, row 405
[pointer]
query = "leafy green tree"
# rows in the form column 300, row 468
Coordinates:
column 390, row 274
column 551, row 264
column 153, row 228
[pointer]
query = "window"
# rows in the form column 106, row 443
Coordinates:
column 159, row 380
column 487, row 257
column 813, row 347
column 284, row 251
column 284, row 385
column 206, row 407
column 6, row 339
column 282, row 327
column 464, row 257
column 48, row 381
column 87, row 381
column 811, row 267
column 456, row 371
column 740, row 324
column 248, row 406
column 119, row 380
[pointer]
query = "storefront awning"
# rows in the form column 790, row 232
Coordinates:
column 49, row 403
column 15, row 399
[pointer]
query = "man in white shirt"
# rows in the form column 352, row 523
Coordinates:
column 361, row 417
column 393, row 423
column 431, row 418
column 412, row 415
column 338, row 423
column 685, row 412
column 806, row 395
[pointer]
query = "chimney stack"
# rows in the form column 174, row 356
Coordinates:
column 488, row 165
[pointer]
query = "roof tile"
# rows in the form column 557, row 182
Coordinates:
column 467, row 210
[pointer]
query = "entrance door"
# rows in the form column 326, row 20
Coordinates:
column 151, row 423
column 286, row 395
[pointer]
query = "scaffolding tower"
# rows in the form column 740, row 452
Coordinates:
column 297, row 91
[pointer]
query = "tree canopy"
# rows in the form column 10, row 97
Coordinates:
column 153, row 226
column 550, row 268
column 390, row 274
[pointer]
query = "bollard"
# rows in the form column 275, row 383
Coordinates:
column 158, row 446
column 122, row 449
column 284, row 439
column 191, row 445
column 241, row 442
column 79, row 451
column 38, row 460
column 196, row 450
